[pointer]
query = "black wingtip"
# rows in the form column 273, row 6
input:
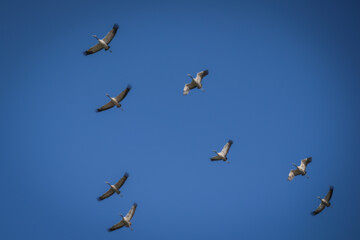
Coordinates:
column 86, row 53
column 116, row 26
column 97, row 110
column 135, row 204
column 129, row 86
column 126, row 174
column 313, row 213
column 110, row 229
column 99, row 199
column 331, row 187
column 231, row 141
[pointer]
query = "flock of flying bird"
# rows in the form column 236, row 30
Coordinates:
column 195, row 83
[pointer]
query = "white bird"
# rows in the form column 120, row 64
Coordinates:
column 114, row 188
column 195, row 82
column 115, row 101
column 125, row 221
column 325, row 202
column 103, row 43
column 300, row 169
column 223, row 154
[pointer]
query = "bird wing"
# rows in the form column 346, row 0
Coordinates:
column 215, row 158
column 123, row 94
column 117, row 226
column 329, row 194
column 93, row 49
column 121, row 181
column 188, row 87
column 131, row 213
column 305, row 162
column 200, row 75
column 293, row 173
column 226, row 148
column 105, row 107
column 319, row 209
column 107, row 194
column 107, row 39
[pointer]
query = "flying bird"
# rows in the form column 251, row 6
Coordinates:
column 223, row 154
column 325, row 202
column 300, row 169
column 195, row 82
column 103, row 43
column 115, row 101
column 114, row 188
column 125, row 221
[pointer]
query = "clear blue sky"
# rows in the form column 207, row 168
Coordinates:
column 284, row 84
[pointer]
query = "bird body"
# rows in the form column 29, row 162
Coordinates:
column 195, row 82
column 125, row 221
column 300, row 170
column 103, row 43
column 114, row 188
column 114, row 101
column 223, row 154
column 325, row 202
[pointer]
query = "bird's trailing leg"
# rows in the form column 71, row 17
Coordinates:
column 130, row 228
column 120, row 195
column 203, row 90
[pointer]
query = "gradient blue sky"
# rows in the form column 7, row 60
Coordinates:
column 284, row 84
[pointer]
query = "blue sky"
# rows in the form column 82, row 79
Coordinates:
column 283, row 83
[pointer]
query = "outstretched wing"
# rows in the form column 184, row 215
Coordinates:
column 107, row 194
column 121, row 181
column 131, row 213
column 123, row 94
column 188, row 87
column 201, row 75
column 117, row 226
column 305, row 162
column 293, row 173
column 107, row 39
column 319, row 209
column 226, row 148
column 215, row 158
column 105, row 107
column 93, row 49
column 329, row 194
